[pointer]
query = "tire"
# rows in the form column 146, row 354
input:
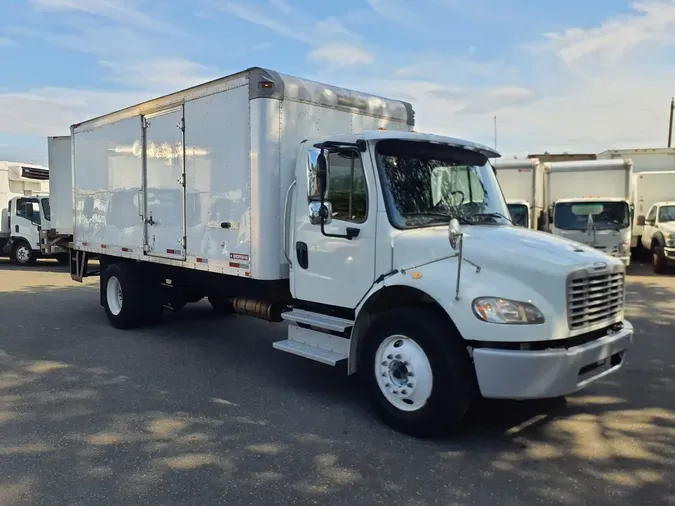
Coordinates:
column 659, row 260
column 435, row 398
column 23, row 254
column 128, row 299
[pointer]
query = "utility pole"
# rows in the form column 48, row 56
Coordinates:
column 670, row 123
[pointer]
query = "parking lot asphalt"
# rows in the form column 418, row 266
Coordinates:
column 201, row 410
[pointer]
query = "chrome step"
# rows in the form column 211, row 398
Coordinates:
column 321, row 321
column 308, row 351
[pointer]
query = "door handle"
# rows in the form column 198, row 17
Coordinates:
column 16, row 228
column 302, row 254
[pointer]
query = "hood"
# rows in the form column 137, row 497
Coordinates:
column 606, row 240
column 498, row 247
column 667, row 227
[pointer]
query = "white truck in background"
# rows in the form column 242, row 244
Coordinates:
column 644, row 159
column 24, row 210
column 653, row 194
column 522, row 183
column 381, row 247
column 589, row 202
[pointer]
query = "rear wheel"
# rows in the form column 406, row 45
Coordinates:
column 417, row 372
column 23, row 254
column 128, row 298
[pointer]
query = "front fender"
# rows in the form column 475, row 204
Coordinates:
column 438, row 281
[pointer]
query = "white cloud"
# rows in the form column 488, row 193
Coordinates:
column 341, row 55
column 330, row 41
column 120, row 11
column 6, row 42
column 652, row 22
column 51, row 111
column 161, row 75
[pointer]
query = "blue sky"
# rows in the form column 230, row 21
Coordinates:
column 574, row 75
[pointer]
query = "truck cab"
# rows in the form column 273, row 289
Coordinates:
column 26, row 216
column 520, row 212
column 658, row 234
column 601, row 223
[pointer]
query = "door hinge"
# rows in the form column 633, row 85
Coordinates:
column 181, row 125
column 181, row 180
column 145, row 123
column 182, row 241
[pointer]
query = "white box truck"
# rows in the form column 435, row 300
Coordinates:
column 522, row 183
column 653, row 194
column 24, row 210
column 589, row 202
column 644, row 159
column 379, row 246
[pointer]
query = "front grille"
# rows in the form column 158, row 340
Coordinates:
column 593, row 299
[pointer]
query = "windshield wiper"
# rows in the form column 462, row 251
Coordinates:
column 462, row 219
column 493, row 215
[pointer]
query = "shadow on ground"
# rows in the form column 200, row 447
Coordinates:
column 201, row 410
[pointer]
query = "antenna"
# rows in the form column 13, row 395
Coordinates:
column 671, row 121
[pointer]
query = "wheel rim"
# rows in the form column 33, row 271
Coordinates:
column 655, row 258
column 403, row 373
column 114, row 295
column 22, row 254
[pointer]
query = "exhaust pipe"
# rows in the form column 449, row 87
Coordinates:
column 261, row 309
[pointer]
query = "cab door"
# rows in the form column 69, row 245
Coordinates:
column 650, row 227
column 330, row 268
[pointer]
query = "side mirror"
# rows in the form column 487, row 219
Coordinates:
column 319, row 211
column 641, row 221
column 454, row 233
column 322, row 174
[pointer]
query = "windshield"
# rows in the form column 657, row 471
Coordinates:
column 606, row 215
column 519, row 214
column 46, row 210
column 427, row 184
column 666, row 214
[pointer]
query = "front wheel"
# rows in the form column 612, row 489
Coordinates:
column 659, row 260
column 417, row 372
column 23, row 254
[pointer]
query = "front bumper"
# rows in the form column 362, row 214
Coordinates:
column 624, row 259
column 522, row 374
column 670, row 254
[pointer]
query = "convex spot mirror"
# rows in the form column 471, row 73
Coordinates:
column 454, row 233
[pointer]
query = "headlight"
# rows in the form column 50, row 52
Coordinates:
column 670, row 240
column 624, row 247
column 497, row 310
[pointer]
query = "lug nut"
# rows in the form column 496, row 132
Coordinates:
column 398, row 357
column 411, row 374
column 390, row 357
column 404, row 392
column 384, row 374
column 387, row 385
column 395, row 392
column 385, row 363
column 410, row 385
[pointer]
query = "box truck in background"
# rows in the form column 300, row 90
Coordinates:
column 522, row 183
column 25, row 210
column 589, row 202
column 381, row 247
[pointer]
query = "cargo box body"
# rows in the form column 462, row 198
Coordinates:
column 198, row 179
column 61, row 184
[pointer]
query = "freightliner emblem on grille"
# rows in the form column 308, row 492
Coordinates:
column 599, row 266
